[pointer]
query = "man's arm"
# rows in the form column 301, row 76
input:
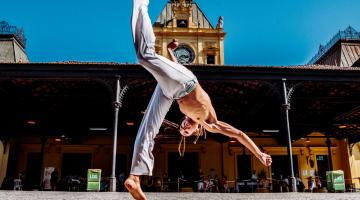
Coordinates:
column 230, row 131
column 170, row 48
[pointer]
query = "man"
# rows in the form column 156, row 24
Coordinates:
column 175, row 82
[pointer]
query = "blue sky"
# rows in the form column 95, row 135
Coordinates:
column 259, row 32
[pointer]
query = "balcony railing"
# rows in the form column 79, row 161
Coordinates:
column 348, row 34
column 6, row 29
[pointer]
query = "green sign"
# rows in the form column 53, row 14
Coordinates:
column 93, row 179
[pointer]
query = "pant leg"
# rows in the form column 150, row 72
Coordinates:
column 172, row 77
column 143, row 159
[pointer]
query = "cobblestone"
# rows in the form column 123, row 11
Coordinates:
column 36, row 195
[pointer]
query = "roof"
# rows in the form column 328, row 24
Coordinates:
column 199, row 66
column 74, row 69
column 249, row 97
column 349, row 34
column 198, row 17
column 206, row 66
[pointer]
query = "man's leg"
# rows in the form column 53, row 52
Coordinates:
column 143, row 159
column 172, row 77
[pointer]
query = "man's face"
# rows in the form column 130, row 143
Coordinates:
column 188, row 127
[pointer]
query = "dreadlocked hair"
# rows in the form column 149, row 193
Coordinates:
column 199, row 132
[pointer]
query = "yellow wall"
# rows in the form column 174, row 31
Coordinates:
column 99, row 147
column 343, row 160
column 209, row 156
column 355, row 167
column 212, row 155
column 4, row 157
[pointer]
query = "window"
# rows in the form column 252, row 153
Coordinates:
column 210, row 59
column 182, row 23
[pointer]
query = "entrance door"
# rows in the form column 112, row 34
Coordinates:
column 121, row 164
column 121, row 171
column 281, row 166
column 186, row 167
column 33, row 171
column 75, row 164
column 243, row 167
column 322, row 166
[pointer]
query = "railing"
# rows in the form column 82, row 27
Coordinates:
column 348, row 34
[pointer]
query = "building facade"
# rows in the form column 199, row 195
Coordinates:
column 200, row 41
column 66, row 122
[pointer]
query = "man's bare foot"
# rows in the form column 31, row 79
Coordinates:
column 132, row 184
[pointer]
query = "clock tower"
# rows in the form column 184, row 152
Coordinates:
column 200, row 42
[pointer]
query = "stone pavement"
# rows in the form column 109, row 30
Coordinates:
column 36, row 195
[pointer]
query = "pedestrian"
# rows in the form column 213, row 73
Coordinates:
column 54, row 179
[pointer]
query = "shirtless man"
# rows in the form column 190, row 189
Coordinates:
column 175, row 82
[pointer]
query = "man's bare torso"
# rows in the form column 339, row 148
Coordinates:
column 197, row 105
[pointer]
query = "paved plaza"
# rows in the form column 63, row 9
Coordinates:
column 36, row 195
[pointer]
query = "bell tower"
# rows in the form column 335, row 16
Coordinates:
column 182, row 13
column 200, row 42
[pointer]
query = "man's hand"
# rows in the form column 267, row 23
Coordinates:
column 173, row 45
column 265, row 159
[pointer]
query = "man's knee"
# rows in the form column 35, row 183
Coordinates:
column 145, row 55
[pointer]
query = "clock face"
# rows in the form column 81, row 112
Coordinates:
column 184, row 54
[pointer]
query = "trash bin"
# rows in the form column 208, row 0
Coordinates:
column 93, row 179
column 335, row 181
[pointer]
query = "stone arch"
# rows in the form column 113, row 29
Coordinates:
column 356, row 151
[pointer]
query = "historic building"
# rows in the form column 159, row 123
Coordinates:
column 12, row 44
column 68, row 115
column 342, row 50
column 200, row 41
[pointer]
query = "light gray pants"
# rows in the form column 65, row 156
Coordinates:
column 174, row 82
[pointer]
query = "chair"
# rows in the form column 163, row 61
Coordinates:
column 17, row 184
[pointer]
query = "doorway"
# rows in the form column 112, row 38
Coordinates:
column 243, row 167
column 322, row 167
column 33, row 171
column 75, row 164
column 186, row 167
column 281, row 166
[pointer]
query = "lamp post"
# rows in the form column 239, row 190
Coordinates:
column 115, row 132
column 286, row 106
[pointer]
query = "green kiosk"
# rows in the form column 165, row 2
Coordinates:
column 335, row 181
column 94, row 180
